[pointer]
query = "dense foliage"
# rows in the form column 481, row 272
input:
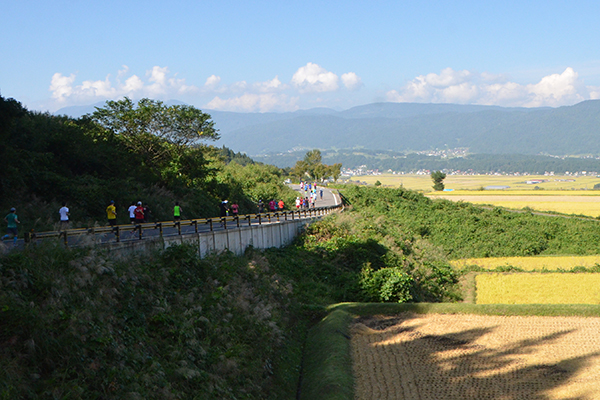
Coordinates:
column 79, row 325
column 465, row 230
column 125, row 153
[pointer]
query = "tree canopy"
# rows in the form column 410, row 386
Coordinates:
column 312, row 167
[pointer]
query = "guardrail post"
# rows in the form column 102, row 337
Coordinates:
column 237, row 220
column 178, row 223
column 259, row 219
column 224, row 222
column 139, row 228
column 210, row 223
column 64, row 235
column 117, row 233
column 249, row 220
column 195, row 225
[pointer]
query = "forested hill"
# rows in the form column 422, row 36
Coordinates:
column 572, row 130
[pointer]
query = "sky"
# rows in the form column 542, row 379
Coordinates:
column 278, row 56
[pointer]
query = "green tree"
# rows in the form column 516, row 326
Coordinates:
column 438, row 180
column 164, row 139
column 312, row 167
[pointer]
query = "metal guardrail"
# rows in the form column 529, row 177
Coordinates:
column 119, row 230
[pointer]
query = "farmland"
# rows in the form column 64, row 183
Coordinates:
column 445, row 356
column 566, row 195
column 553, row 263
column 477, row 182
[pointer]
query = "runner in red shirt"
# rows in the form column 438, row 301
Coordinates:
column 139, row 213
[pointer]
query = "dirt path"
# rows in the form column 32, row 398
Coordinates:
column 471, row 357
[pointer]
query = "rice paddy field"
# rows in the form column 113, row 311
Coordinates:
column 560, row 194
column 554, row 263
column 475, row 357
column 536, row 288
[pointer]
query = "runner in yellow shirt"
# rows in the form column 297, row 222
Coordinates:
column 111, row 213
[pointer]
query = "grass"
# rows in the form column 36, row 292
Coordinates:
column 528, row 288
column 327, row 369
column 550, row 263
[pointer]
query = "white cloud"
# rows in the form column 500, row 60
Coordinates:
column 351, row 81
column 557, row 89
column 469, row 87
column 270, row 86
column 314, row 78
column 212, row 81
column 61, row 86
column 250, row 102
column 158, row 85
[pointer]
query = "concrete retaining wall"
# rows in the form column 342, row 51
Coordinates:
column 237, row 240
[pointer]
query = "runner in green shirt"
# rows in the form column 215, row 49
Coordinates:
column 177, row 212
column 12, row 220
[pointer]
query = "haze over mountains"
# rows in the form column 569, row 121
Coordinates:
column 570, row 130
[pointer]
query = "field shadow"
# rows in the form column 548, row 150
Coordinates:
column 453, row 366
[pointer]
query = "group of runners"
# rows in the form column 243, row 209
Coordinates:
column 139, row 213
column 310, row 195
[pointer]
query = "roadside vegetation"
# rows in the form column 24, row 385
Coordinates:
column 81, row 324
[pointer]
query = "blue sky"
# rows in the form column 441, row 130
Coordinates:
column 279, row 56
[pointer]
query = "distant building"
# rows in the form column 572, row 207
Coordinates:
column 496, row 187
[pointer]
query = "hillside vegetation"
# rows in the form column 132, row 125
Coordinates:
column 89, row 161
column 79, row 324
column 570, row 130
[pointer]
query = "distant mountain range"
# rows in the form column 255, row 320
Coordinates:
column 405, row 127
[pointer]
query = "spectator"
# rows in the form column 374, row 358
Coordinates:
column 64, row 217
column 11, row 229
column 111, row 213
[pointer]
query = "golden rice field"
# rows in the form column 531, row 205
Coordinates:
column 553, row 263
column 558, row 195
column 476, row 182
column 476, row 357
column 538, row 288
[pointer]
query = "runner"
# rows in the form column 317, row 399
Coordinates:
column 64, row 217
column 235, row 209
column 177, row 212
column 298, row 202
column 138, row 213
column 111, row 213
column 261, row 207
column 11, row 220
column 280, row 204
column 131, row 210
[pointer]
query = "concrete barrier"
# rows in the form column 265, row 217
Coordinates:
column 277, row 234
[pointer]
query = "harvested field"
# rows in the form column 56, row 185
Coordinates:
column 464, row 357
